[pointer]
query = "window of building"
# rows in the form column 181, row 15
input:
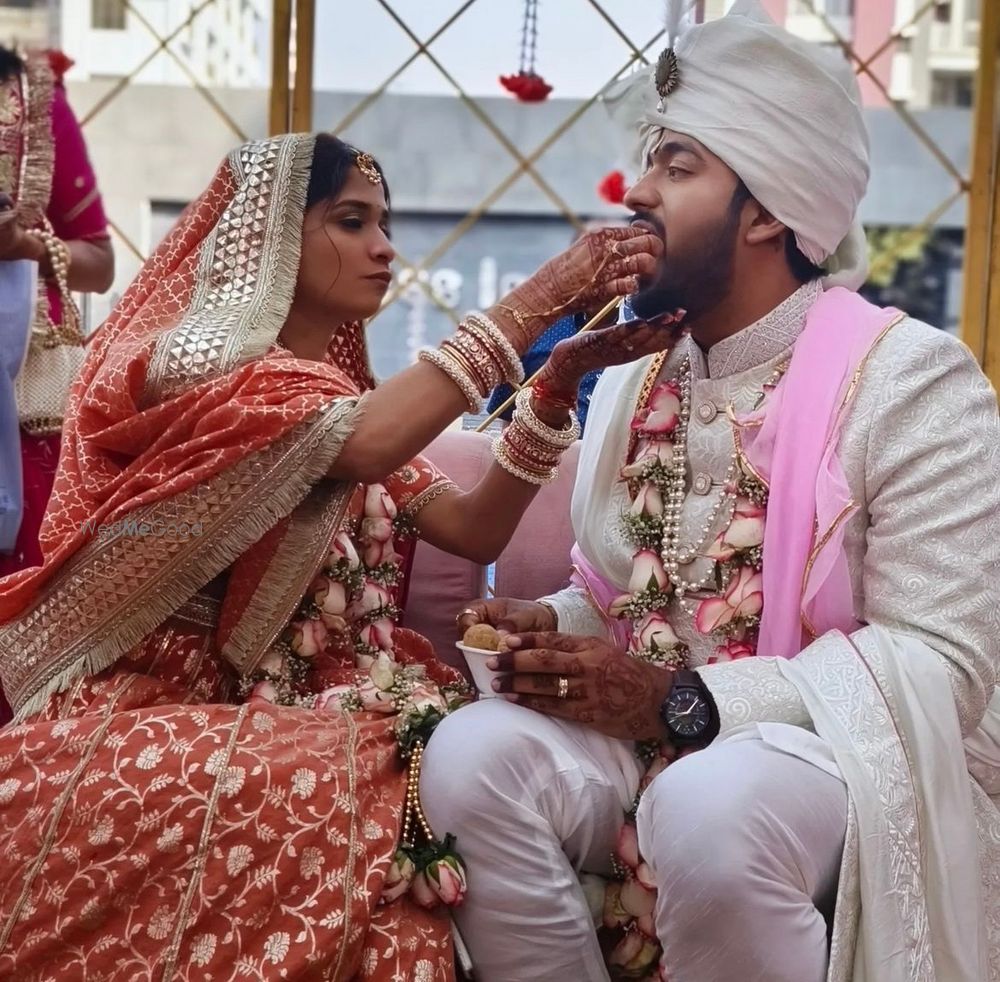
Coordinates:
column 942, row 11
column 952, row 89
column 107, row 15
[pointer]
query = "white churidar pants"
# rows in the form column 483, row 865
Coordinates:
column 744, row 839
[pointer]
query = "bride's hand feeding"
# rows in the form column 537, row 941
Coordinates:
column 596, row 268
column 619, row 344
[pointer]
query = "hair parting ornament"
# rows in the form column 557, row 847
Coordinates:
column 366, row 164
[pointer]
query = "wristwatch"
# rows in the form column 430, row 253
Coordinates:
column 689, row 712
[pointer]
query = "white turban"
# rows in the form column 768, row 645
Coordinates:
column 783, row 113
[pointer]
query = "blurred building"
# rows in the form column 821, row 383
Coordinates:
column 28, row 23
column 931, row 62
column 224, row 44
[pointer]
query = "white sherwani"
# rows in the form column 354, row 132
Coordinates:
column 882, row 713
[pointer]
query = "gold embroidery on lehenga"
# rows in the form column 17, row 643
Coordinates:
column 352, row 843
column 198, row 867
column 55, row 816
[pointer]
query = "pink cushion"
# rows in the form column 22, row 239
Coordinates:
column 440, row 583
column 536, row 561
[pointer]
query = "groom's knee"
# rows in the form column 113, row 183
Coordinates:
column 475, row 753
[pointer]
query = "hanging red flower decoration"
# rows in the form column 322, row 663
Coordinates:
column 60, row 63
column 612, row 188
column 526, row 86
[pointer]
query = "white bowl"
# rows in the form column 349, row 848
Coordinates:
column 476, row 659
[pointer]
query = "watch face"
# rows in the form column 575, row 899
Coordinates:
column 687, row 714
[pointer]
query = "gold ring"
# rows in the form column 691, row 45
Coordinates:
column 563, row 687
column 462, row 613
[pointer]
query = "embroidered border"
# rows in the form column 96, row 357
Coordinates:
column 112, row 593
column 194, row 882
column 289, row 572
column 246, row 270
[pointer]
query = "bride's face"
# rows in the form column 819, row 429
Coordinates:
column 344, row 270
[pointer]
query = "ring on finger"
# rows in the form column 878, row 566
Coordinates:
column 563, row 689
column 465, row 613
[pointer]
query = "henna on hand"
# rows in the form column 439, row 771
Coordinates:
column 596, row 268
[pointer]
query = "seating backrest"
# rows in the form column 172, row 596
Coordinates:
column 535, row 562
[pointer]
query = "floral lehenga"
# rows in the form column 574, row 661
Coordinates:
column 162, row 812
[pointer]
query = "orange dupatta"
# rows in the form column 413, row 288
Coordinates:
column 187, row 436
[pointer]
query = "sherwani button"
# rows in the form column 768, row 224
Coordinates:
column 707, row 411
column 702, row 483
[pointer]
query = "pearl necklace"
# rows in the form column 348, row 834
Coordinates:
column 672, row 553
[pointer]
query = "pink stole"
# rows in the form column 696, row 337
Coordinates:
column 792, row 443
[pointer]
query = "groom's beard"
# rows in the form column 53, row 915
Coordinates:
column 696, row 279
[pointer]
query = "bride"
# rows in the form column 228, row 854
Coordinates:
column 218, row 715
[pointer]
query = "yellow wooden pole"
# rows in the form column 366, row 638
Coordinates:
column 305, row 36
column 991, row 327
column 981, row 228
column 281, row 42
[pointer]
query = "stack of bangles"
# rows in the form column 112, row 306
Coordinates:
column 530, row 449
column 477, row 358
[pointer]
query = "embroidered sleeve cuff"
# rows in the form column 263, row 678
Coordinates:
column 752, row 690
column 575, row 613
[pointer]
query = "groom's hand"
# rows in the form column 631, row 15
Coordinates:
column 605, row 689
column 507, row 615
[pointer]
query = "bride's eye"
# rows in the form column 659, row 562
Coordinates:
column 352, row 223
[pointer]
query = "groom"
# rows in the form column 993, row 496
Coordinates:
column 786, row 565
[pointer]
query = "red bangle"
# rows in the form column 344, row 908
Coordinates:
column 542, row 392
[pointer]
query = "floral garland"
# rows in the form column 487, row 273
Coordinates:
column 349, row 608
column 656, row 472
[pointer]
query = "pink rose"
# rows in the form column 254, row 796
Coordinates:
column 627, row 847
column 398, row 879
column 644, row 875
column 379, row 503
column 377, row 553
column 422, row 891
column 731, row 651
column 264, row 692
column 648, row 501
column 647, row 572
column 720, row 550
column 309, row 637
column 447, row 880
column 423, row 697
column 637, row 899
column 373, row 597
column 330, row 596
column 654, row 633
column 634, row 954
column 376, row 530
column 614, row 914
column 332, row 700
column 378, row 635
column 374, row 699
column 273, row 663
column 744, row 597
column 342, row 548
column 663, row 412
column 617, row 606
column 383, row 671
column 645, row 452
column 746, row 530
